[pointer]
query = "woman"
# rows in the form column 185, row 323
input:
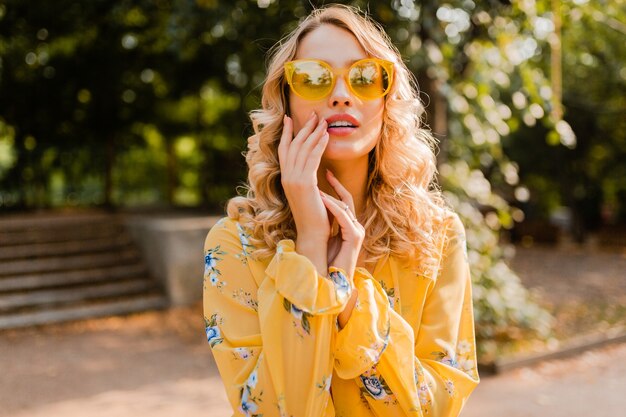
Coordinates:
column 372, row 317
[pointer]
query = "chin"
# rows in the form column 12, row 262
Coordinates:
column 343, row 153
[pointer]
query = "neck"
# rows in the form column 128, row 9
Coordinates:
column 352, row 175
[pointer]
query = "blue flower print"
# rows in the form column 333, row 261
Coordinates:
column 248, row 407
column 342, row 286
column 374, row 387
column 246, row 246
column 244, row 237
column 301, row 318
column 213, row 279
column 210, row 267
column 242, row 353
column 423, row 390
column 249, row 402
column 252, row 380
column 463, row 358
column 423, row 395
column 296, row 312
column 450, row 387
column 210, row 260
column 213, row 334
column 450, row 360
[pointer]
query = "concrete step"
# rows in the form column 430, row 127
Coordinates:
column 59, row 267
column 84, row 311
column 39, row 250
column 55, row 279
column 63, row 263
column 59, row 233
column 39, row 298
column 28, row 221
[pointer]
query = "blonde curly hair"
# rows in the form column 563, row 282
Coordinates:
column 404, row 209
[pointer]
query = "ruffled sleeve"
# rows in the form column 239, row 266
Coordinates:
column 309, row 291
column 400, row 373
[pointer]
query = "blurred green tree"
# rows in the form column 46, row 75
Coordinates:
column 588, row 175
column 98, row 97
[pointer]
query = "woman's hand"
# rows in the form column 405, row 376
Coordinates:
column 299, row 159
column 348, row 241
column 343, row 249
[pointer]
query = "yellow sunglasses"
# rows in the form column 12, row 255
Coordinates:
column 312, row 79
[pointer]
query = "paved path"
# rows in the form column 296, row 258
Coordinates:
column 593, row 384
column 154, row 364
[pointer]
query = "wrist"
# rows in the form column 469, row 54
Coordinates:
column 313, row 237
column 315, row 252
column 308, row 244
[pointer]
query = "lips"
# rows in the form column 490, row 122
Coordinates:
column 342, row 124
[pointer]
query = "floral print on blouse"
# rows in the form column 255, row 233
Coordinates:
column 408, row 348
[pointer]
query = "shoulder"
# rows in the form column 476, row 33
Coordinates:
column 224, row 231
column 230, row 233
column 454, row 236
column 222, row 226
column 453, row 224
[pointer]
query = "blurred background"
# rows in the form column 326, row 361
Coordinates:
column 126, row 120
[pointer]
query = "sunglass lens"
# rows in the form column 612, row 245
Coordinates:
column 369, row 79
column 311, row 79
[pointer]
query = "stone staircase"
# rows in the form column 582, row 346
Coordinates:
column 57, row 268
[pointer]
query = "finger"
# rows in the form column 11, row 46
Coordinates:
column 312, row 163
column 285, row 139
column 341, row 191
column 350, row 228
column 337, row 201
column 304, row 152
column 304, row 133
column 308, row 127
column 346, row 222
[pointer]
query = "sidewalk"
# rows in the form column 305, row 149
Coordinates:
column 150, row 364
column 589, row 385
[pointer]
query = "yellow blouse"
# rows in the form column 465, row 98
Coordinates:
column 407, row 350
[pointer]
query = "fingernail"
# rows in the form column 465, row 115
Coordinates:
column 329, row 171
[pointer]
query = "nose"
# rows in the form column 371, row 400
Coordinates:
column 340, row 96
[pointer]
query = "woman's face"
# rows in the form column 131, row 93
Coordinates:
column 340, row 49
